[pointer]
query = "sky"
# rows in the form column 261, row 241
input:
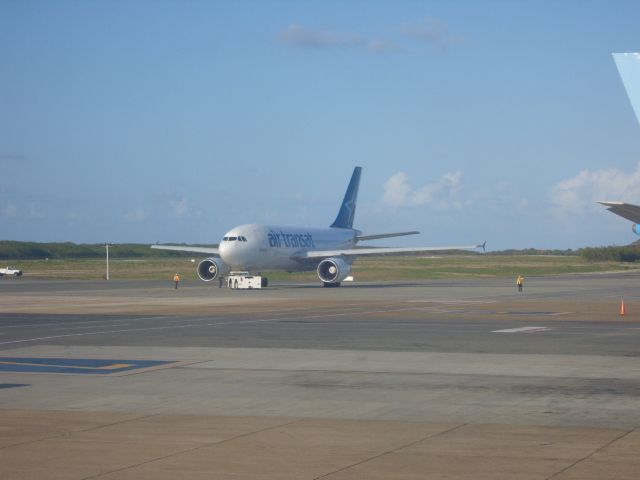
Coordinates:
column 173, row 121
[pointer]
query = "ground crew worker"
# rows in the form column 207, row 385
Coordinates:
column 220, row 281
column 520, row 282
column 176, row 279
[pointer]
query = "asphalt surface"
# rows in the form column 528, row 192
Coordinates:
column 472, row 360
column 440, row 316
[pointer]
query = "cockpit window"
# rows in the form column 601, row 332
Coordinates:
column 233, row 239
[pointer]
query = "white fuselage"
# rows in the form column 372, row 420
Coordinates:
column 275, row 247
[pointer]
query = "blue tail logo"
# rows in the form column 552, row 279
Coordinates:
column 348, row 207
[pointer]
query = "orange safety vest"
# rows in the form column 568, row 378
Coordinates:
column 176, row 278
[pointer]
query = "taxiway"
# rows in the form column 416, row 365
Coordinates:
column 388, row 380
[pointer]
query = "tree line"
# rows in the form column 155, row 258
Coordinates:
column 13, row 250
column 627, row 253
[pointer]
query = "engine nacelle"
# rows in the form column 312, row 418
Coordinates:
column 210, row 268
column 636, row 228
column 333, row 270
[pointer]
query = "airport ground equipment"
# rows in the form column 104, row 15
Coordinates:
column 10, row 271
column 245, row 281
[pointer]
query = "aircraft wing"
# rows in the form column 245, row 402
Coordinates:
column 625, row 210
column 385, row 235
column 356, row 252
column 186, row 248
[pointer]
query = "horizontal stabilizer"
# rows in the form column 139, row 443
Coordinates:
column 384, row 235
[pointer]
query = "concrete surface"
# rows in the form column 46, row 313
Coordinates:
column 400, row 380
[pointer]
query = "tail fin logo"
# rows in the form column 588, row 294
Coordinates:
column 348, row 208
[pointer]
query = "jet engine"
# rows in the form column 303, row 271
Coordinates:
column 210, row 268
column 333, row 270
column 636, row 228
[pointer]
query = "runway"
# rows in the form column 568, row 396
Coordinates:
column 468, row 369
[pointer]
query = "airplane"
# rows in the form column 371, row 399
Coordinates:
column 625, row 210
column 628, row 65
column 330, row 251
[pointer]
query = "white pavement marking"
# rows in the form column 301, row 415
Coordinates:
column 231, row 322
column 130, row 330
column 94, row 322
column 455, row 302
column 523, row 330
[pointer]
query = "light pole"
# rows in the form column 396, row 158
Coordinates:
column 107, row 245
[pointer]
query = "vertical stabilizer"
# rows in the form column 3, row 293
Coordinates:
column 629, row 69
column 348, row 207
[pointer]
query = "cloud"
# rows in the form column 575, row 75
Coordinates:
column 382, row 46
column 304, row 37
column 36, row 212
column 136, row 215
column 9, row 211
column 398, row 192
column 13, row 157
column 173, row 204
column 575, row 195
column 74, row 215
column 299, row 36
column 22, row 211
column 432, row 31
column 180, row 207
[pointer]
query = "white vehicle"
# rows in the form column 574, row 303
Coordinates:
column 245, row 281
column 10, row 271
column 330, row 251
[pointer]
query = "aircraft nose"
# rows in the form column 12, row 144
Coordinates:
column 225, row 250
column 229, row 253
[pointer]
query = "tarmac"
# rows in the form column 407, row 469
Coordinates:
column 462, row 379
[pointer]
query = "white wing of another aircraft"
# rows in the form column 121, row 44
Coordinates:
column 629, row 68
column 625, row 210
